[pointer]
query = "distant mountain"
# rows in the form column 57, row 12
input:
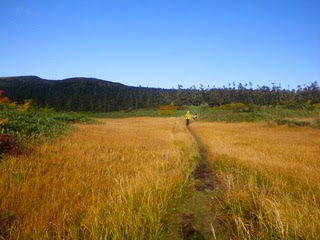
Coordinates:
column 96, row 95
column 79, row 94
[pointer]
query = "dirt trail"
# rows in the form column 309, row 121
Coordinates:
column 198, row 222
column 203, row 172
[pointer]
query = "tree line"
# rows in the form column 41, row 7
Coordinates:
column 89, row 94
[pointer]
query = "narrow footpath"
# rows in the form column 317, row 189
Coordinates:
column 198, row 221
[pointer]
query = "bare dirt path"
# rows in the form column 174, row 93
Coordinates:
column 198, row 222
column 203, row 172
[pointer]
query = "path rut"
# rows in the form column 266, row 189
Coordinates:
column 197, row 224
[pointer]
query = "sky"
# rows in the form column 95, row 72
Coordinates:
column 163, row 43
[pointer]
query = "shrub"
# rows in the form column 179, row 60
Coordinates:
column 204, row 106
column 238, row 107
column 300, row 106
column 7, row 220
column 292, row 123
column 168, row 109
column 72, row 118
column 230, row 106
column 28, row 123
column 9, row 145
column 316, row 106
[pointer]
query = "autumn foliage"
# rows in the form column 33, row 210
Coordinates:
column 3, row 99
column 168, row 109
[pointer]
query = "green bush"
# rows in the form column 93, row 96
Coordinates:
column 27, row 123
column 231, row 106
column 292, row 123
column 301, row 105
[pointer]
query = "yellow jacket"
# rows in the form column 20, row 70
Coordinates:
column 188, row 116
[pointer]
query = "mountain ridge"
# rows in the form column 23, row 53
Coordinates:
column 76, row 79
column 76, row 93
column 97, row 95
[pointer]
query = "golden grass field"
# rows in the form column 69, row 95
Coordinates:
column 115, row 180
column 269, row 179
column 128, row 178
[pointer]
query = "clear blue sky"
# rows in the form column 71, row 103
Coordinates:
column 163, row 43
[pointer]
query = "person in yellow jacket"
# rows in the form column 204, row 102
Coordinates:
column 188, row 118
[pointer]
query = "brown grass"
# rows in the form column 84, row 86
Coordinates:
column 114, row 180
column 270, row 178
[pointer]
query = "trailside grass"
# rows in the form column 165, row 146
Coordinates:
column 117, row 180
column 269, row 180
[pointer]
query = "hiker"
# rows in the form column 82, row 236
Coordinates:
column 188, row 118
column 195, row 116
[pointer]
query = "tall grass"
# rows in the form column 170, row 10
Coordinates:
column 269, row 180
column 117, row 180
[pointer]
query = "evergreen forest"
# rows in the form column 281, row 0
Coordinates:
column 95, row 95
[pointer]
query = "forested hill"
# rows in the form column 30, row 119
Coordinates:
column 90, row 94
column 80, row 94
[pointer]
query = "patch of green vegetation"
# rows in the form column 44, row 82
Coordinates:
column 257, row 113
column 235, row 112
column 154, row 112
column 253, row 113
column 292, row 123
column 30, row 124
column 72, row 117
column 127, row 113
column 37, row 125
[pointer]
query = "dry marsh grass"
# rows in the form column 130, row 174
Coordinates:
column 115, row 180
column 270, row 180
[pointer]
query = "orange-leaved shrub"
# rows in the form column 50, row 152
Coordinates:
column 168, row 109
